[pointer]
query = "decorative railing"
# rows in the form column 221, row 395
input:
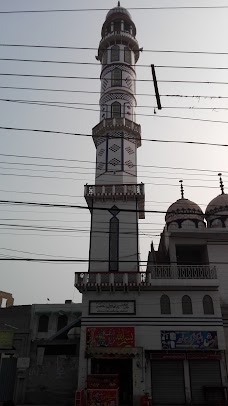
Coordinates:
column 117, row 122
column 143, row 279
column 182, row 272
column 121, row 33
column 114, row 190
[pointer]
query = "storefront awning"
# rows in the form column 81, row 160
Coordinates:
column 113, row 352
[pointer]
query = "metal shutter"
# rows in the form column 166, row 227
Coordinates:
column 7, row 378
column 203, row 373
column 168, row 382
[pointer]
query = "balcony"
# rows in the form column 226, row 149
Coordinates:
column 123, row 124
column 117, row 37
column 114, row 192
column 161, row 276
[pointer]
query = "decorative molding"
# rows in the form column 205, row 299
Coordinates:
column 117, row 96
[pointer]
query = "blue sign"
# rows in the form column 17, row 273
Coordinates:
column 189, row 340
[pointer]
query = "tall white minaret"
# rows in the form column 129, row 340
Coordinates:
column 116, row 201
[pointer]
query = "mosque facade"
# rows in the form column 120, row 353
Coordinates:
column 157, row 334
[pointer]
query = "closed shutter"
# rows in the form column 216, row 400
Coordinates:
column 203, row 373
column 168, row 382
column 7, row 378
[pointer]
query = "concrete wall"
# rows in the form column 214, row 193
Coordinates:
column 54, row 382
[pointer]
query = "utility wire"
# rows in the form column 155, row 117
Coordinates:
column 104, row 49
column 93, row 162
column 95, row 92
column 98, row 64
column 79, row 10
column 54, row 103
column 109, row 79
column 143, row 139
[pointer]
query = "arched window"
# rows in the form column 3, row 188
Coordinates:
column 165, row 305
column 115, row 53
column 186, row 305
column 208, row 306
column 105, row 58
column 62, row 322
column 116, row 77
column 113, row 244
column 116, row 109
column 43, row 324
column 127, row 55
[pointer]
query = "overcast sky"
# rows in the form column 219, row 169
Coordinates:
column 186, row 30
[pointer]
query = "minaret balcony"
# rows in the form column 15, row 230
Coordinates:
column 117, row 37
column 162, row 276
column 117, row 124
column 117, row 192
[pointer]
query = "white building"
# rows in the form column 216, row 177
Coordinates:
column 161, row 330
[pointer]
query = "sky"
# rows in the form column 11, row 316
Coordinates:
column 63, row 180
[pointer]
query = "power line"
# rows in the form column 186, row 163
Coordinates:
column 95, row 49
column 143, row 139
column 54, row 103
column 99, row 65
column 97, row 78
column 78, row 10
column 95, row 92
column 93, row 162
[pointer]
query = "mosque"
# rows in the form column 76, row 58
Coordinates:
column 157, row 333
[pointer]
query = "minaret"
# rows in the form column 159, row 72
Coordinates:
column 116, row 201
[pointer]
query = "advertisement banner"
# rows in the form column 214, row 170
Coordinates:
column 6, row 339
column 189, row 340
column 102, row 397
column 110, row 337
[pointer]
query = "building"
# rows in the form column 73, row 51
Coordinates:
column 39, row 347
column 160, row 330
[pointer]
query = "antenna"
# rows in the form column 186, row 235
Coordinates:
column 221, row 183
column 182, row 189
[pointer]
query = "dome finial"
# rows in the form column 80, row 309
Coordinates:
column 118, row 3
column 182, row 189
column 221, row 183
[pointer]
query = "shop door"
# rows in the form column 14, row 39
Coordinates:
column 168, row 382
column 122, row 367
column 7, row 378
column 203, row 374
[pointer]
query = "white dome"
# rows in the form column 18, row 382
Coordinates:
column 120, row 10
column 184, row 209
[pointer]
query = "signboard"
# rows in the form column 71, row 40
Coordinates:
column 23, row 363
column 112, row 307
column 103, row 381
column 110, row 337
column 102, row 397
column 6, row 339
column 189, row 340
column 176, row 355
column 203, row 355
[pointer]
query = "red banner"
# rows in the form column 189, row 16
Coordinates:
column 110, row 337
column 102, row 397
column 103, row 381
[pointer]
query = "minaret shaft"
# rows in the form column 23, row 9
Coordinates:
column 116, row 200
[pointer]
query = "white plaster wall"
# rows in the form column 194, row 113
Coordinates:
column 218, row 256
column 99, row 248
column 149, row 321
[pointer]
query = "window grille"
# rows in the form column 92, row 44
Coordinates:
column 127, row 55
column 116, row 77
column 113, row 244
column 115, row 53
column 116, row 109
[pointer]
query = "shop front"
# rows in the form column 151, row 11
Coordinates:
column 187, row 370
column 111, row 351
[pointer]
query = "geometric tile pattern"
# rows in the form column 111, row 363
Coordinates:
column 114, row 148
column 129, row 150
column 115, row 162
column 100, row 153
column 129, row 164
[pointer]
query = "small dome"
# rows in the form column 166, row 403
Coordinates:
column 182, row 210
column 120, row 10
column 219, row 205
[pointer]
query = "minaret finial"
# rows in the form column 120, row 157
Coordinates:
column 221, row 183
column 182, row 189
column 118, row 3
